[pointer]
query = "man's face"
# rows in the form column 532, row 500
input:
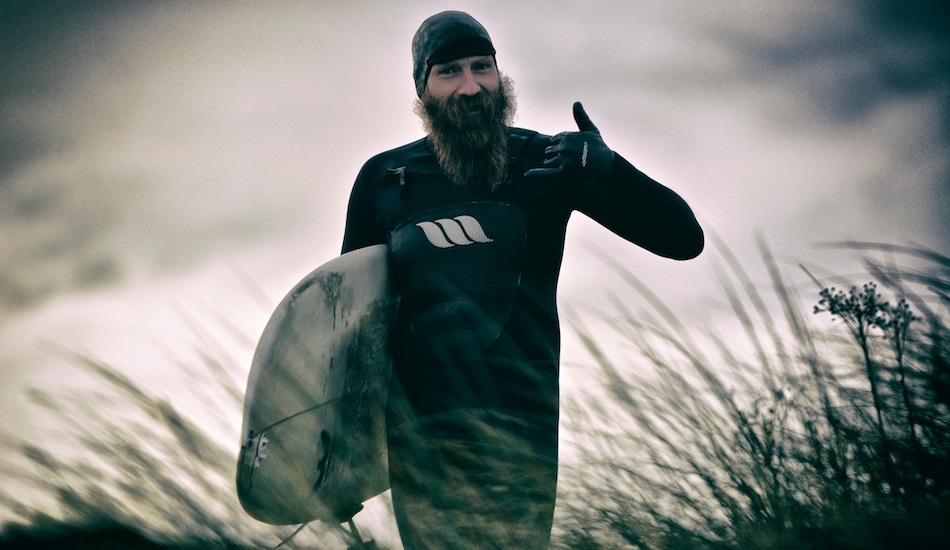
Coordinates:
column 466, row 110
column 463, row 77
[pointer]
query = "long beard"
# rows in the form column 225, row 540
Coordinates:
column 470, row 135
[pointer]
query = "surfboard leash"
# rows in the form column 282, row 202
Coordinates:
column 354, row 534
column 292, row 535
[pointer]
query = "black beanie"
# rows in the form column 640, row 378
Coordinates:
column 444, row 37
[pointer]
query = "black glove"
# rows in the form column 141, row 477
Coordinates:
column 579, row 155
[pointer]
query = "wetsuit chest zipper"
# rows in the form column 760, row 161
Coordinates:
column 401, row 172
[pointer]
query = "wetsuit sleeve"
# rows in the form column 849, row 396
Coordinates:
column 637, row 208
column 362, row 229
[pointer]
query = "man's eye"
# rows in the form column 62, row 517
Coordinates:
column 480, row 66
column 448, row 70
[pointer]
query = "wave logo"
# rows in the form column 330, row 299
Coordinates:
column 457, row 231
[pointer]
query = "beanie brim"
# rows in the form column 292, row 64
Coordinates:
column 461, row 47
column 457, row 49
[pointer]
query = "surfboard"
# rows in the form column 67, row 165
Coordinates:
column 314, row 433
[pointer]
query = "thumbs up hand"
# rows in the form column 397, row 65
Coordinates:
column 580, row 155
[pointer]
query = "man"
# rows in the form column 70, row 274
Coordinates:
column 475, row 216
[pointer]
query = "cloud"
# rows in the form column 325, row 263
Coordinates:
column 140, row 138
column 852, row 57
column 881, row 68
column 49, row 225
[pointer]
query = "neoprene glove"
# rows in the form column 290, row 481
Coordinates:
column 580, row 155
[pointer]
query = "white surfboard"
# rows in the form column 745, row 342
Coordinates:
column 314, row 432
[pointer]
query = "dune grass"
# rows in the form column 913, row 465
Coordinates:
column 827, row 428
column 826, row 432
column 125, row 468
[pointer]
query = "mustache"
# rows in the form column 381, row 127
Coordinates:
column 457, row 112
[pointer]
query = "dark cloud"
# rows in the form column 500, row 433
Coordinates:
column 95, row 158
column 53, row 231
column 860, row 55
column 858, row 59
column 42, row 45
column 18, row 148
column 40, row 41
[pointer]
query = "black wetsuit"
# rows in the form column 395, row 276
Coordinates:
column 474, row 399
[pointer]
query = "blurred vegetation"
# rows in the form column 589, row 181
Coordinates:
column 124, row 469
column 835, row 434
column 782, row 428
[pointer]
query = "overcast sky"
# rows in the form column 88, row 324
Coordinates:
column 155, row 157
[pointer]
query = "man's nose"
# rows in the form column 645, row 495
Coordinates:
column 469, row 86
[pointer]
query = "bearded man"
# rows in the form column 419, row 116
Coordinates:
column 475, row 216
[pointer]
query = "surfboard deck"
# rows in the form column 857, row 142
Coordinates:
column 314, row 433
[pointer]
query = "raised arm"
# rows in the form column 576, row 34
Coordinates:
column 634, row 206
column 614, row 193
